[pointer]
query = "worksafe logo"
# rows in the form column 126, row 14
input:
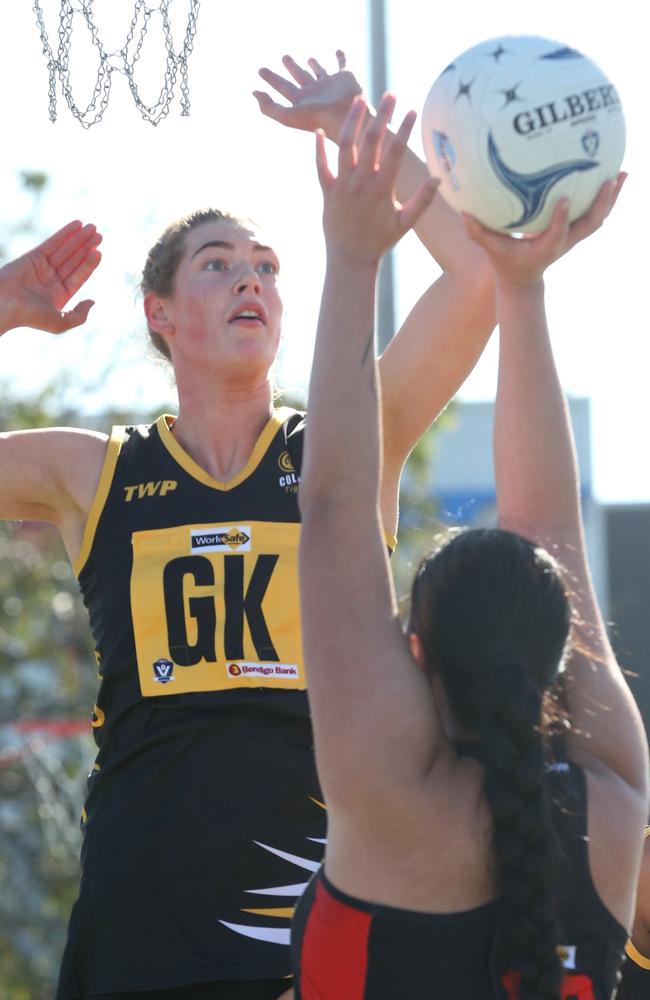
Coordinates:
column 236, row 539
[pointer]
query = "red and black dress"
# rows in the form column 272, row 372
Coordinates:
column 348, row 948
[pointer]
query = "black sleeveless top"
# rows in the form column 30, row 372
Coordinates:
column 345, row 947
column 635, row 974
column 204, row 816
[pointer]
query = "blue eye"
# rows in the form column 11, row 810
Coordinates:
column 268, row 267
column 216, row 264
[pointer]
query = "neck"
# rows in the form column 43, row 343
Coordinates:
column 219, row 426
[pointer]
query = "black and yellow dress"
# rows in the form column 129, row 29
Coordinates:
column 635, row 974
column 204, row 818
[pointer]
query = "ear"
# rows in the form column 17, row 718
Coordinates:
column 158, row 314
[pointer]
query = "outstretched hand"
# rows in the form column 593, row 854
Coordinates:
column 522, row 262
column 317, row 99
column 35, row 288
column 361, row 218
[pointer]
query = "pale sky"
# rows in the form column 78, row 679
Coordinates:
column 131, row 179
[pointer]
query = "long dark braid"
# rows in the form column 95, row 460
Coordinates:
column 493, row 618
column 512, row 752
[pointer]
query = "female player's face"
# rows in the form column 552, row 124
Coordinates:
column 226, row 307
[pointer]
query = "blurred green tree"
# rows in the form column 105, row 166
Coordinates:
column 48, row 684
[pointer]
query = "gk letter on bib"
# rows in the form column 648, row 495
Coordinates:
column 216, row 606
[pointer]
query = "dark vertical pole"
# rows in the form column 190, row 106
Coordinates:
column 378, row 85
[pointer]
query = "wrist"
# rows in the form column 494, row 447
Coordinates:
column 8, row 319
column 522, row 287
column 333, row 129
column 345, row 257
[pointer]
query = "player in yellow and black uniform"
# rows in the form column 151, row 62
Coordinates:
column 635, row 974
column 204, row 800
column 204, row 818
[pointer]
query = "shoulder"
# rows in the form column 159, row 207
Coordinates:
column 57, row 465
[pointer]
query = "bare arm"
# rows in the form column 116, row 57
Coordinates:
column 445, row 333
column 51, row 474
column 538, row 488
column 362, row 680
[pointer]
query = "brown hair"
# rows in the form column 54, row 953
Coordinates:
column 165, row 256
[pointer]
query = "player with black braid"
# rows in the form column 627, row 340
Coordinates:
column 484, row 815
column 494, row 679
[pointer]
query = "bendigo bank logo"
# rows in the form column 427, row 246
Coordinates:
column 289, row 479
column 278, row 670
column 220, row 539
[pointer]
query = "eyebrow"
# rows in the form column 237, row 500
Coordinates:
column 224, row 245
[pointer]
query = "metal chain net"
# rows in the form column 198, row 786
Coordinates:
column 122, row 60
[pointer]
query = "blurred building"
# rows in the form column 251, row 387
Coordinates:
column 628, row 557
column 618, row 536
column 464, row 478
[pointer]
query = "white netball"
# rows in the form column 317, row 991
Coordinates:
column 515, row 123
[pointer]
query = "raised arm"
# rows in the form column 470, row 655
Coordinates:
column 446, row 331
column 50, row 474
column 538, row 488
column 362, row 680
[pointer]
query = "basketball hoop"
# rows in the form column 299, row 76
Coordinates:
column 121, row 60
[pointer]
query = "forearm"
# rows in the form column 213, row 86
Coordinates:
column 430, row 358
column 538, row 496
column 440, row 228
column 534, row 456
column 342, row 447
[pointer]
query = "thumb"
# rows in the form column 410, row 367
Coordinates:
column 271, row 108
column 417, row 204
column 77, row 316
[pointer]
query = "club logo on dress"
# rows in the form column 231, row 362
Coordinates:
column 290, row 479
column 567, row 955
column 163, row 671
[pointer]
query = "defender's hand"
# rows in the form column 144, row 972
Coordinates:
column 522, row 262
column 361, row 218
